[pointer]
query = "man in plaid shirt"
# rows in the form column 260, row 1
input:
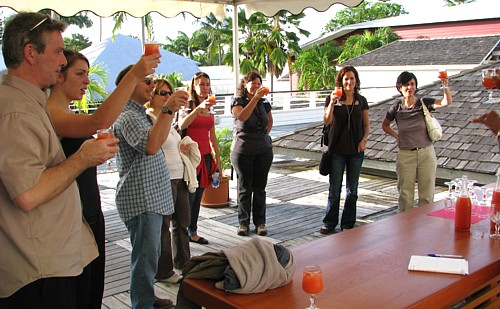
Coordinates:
column 143, row 193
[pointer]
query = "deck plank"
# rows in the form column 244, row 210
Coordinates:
column 296, row 196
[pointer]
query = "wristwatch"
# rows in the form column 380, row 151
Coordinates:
column 165, row 110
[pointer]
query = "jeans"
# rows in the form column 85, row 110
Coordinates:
column 252, row 172
column 145, row 231
column 195, row 200
column 352, row 165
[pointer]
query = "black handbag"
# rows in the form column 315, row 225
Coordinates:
column 325, row 165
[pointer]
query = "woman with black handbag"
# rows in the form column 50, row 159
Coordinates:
column 416, row 160
column 347, row 115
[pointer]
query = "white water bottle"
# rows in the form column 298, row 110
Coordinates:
column 215, row 179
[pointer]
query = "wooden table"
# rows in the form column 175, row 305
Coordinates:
column 366, row 267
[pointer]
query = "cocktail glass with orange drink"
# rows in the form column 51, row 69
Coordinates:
column 151, row 48
column 442, row 75
column 338, row 94
column 489, row 82
column 105, row 134
column 312, row 283
column 212, row 100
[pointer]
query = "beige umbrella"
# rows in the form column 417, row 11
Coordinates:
column 171, row 8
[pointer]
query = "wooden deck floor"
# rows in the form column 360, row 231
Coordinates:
column 296, row 204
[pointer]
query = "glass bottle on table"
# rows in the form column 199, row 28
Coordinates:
column 463, row 208
column 495, row 208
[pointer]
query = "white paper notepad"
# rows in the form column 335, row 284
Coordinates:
column 439, row 265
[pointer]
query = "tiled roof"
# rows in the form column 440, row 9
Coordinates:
column 429, row 52
column 465, row 146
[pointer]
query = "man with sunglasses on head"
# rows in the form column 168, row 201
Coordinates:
column 143, row 193
column 45, row 242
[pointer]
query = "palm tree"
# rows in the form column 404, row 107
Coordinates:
column 80, row 19
column 120, row 18
column 218, row 35
column 267, row 46
column 95, row 90
column 316, row 66
column 362, row 43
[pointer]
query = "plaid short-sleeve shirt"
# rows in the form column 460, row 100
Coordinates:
column 144, row 184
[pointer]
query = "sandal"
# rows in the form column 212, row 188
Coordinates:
column 325, row 230
column 200, row 240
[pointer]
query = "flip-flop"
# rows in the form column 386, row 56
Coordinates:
column 201, row 241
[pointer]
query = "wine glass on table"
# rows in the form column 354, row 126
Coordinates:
column 489, row 82
column 495, row 220
column 449, row 202
column 151, row 48
column 312, row 283
column 442, row 75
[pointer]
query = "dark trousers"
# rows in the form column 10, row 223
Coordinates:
column 195, row 199
column 175, row 244
column 45, row 293
column 352, row 164
column 90, row 284
column 252, row 172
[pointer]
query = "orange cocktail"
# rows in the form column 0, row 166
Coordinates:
column 312, row 281
column 151, row 48
column 489, row 83
column 443, row 74
column 338, row 92
column 212, row 99
column 104, row 134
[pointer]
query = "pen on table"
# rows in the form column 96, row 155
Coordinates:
column 451, row 256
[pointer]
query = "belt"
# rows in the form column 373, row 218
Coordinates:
column 416, row 148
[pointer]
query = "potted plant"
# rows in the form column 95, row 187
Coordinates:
column 219, row 197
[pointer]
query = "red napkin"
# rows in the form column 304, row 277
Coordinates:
column 451, row 215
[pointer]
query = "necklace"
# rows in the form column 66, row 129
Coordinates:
column 349, row 112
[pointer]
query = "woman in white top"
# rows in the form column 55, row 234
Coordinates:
column 179, row 240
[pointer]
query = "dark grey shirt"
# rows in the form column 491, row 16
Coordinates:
column 411, row 123
column 251, row 136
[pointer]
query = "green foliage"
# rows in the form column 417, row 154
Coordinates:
column 95, row 90
column 174, row 78
column 316, row 66
column 81, row 20
column 360, row 44
column 457, row 2
column 366, row 11
column 77, row 42
column 224, row 138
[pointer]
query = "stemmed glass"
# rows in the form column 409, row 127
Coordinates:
column 443, row 74
column 213, row 100
column 495, row 218
column 104, row 134
column 450, row 198
column 312, row 283
column 338, row 93
column 184, row 109
column 489, row 83
column 483, row 207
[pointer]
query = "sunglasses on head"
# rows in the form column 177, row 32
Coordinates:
column 163, row 93
column 39, row 23
column 148, row 81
